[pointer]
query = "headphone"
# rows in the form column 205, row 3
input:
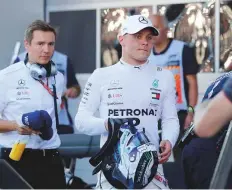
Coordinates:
column 38, row 71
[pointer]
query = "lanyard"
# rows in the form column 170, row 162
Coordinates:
column 47, row 88
column 53, row 93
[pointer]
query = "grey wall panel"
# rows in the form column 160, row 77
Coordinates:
column 74, row 2
column 77, row 37
column 14, row 18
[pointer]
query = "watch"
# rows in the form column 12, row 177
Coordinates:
column 190, row 109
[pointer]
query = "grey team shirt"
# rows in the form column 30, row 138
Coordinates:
column 146, row 92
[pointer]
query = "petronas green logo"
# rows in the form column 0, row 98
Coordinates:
column 155, row 83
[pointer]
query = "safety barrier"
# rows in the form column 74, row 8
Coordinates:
column 78, row 145
column 11, row 179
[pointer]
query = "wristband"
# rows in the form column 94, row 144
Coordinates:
column 190, row 109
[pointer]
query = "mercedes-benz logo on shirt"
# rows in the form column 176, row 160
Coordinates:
column 143, row 20
column 21, row 82
column 114, row 82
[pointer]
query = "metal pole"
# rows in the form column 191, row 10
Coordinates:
column 224, row 163
column 217, row 36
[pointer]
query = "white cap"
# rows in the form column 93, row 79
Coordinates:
column 135, row 23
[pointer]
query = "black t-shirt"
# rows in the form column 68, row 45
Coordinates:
column 190, row 66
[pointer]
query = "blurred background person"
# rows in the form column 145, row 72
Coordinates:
column 179, row 58
column 109, row 53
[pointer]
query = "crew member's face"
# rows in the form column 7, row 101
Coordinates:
column 41, row 48
column 138, row 46
column 158, row 23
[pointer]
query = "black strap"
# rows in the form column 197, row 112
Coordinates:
column 55, row 105
column 54, row 95
column 111, row 141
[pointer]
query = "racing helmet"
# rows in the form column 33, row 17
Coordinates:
column 131, row 160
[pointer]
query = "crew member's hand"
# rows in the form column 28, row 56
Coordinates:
column 72, row 92
column 188, row 120
column 24, row 130
column 166, row 150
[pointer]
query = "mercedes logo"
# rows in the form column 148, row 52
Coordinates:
column 143, row 20
column 21, row 82
column 114, row 82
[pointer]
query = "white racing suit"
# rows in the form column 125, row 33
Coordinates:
column 146, row 92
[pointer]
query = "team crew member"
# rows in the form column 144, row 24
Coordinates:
column 133, row 87
column 208, row 120
column 27, row 110
column 72, row 86
column 200, row 156
column 179, row 58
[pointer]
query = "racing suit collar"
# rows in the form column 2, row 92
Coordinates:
column 136, row 67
